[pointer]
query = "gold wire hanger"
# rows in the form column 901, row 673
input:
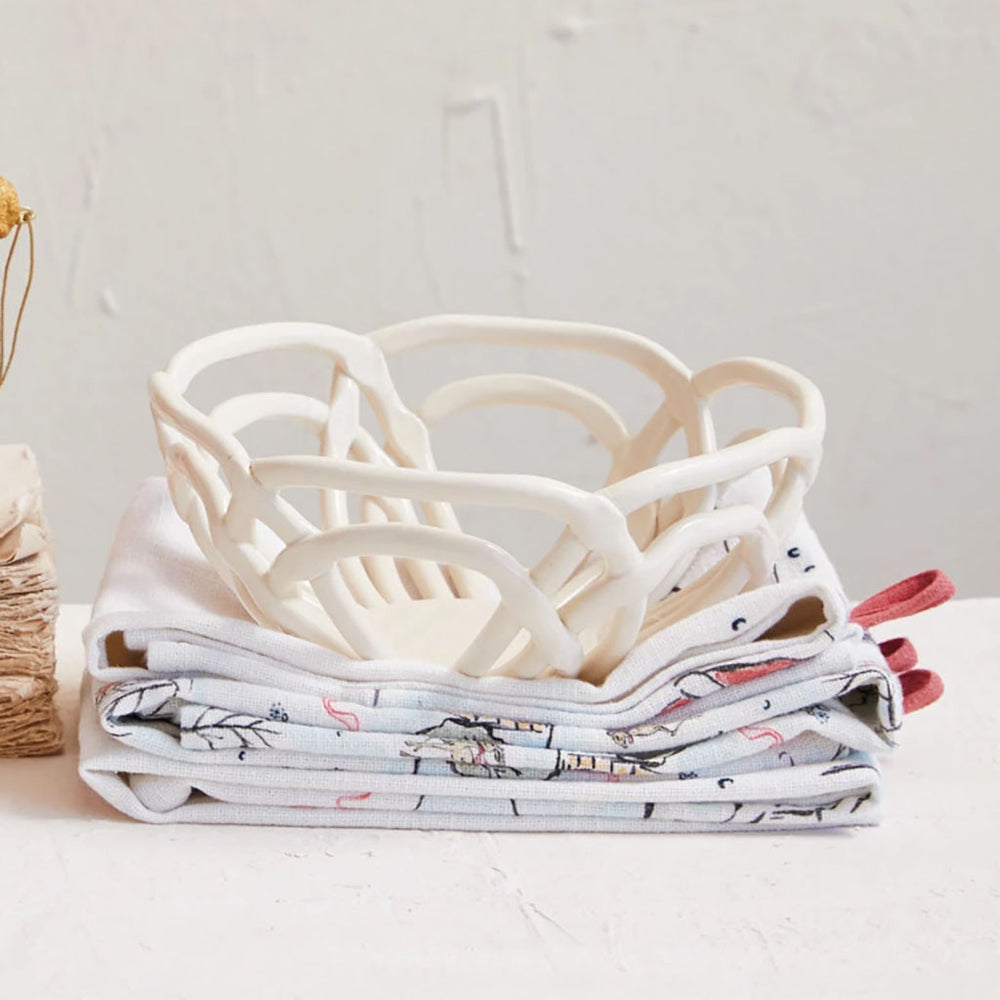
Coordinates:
column 13, row 217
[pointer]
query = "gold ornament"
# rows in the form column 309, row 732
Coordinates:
column 13, row 216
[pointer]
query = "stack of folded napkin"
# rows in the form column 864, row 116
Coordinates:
column 29, row 723
column 767, row 710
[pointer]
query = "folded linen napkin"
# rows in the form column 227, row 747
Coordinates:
column 29, row 723
column 764, row 710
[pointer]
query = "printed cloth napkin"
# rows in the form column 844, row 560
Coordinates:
column 766, row 710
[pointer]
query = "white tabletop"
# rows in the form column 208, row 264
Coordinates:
column 97, row 905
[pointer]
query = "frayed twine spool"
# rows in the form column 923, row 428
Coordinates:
column 13, row 217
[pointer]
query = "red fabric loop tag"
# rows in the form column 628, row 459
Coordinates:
column 900, row 654
column 920, row 689
column 908, row 597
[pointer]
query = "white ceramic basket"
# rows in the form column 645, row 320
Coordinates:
column 401, row 579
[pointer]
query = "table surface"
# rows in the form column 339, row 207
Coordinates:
column 97, row 905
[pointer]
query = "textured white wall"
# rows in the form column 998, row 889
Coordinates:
column 812, row 182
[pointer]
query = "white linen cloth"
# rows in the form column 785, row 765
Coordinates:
column 764, row 710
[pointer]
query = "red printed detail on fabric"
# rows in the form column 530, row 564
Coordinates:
column 343, row 800
column 762, row 733
column 680, row 703
column 744, row 672
column 347, row 719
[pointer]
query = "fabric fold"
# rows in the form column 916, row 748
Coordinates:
column 767, row 710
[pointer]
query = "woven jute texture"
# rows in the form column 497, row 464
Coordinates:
column 29, row 723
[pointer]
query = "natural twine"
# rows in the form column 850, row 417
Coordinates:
column 13, row 217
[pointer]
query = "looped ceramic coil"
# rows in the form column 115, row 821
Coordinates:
column 401, row 579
